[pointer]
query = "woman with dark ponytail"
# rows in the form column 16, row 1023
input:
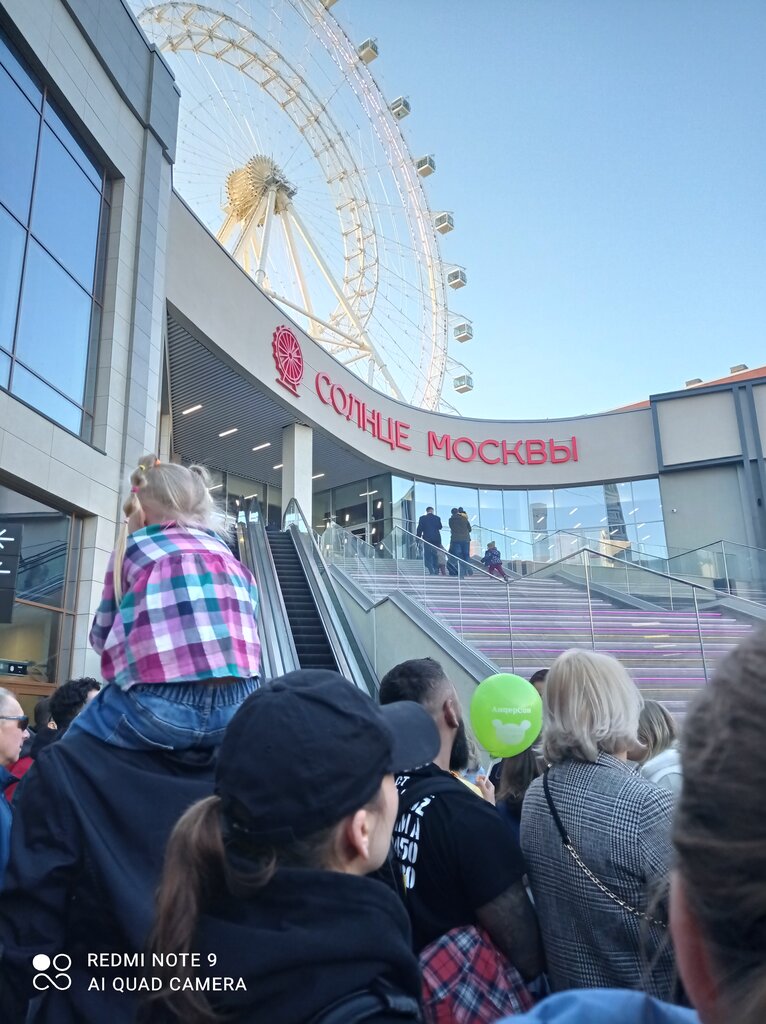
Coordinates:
column 265, row 880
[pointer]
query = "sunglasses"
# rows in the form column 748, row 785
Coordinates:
column 21, row 720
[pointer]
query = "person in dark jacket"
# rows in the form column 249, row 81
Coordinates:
column 429, row 529
column 460, row 542
column 265, row 880
column 90, row 826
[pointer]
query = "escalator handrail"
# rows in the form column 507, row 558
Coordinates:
column 349, row 654
column 279, row 655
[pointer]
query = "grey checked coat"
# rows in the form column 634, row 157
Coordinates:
column 620, row 825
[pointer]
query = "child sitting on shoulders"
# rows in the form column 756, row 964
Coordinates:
column 177, row 625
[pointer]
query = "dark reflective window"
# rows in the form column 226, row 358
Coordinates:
column 41, row 611
column 54, row 324
column 51, row 254
column 12, row 239
column 19, row 128
column 66, row 209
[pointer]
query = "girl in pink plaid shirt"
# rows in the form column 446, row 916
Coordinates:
column 177, row 624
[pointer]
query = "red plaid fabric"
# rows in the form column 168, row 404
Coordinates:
column 467, row 980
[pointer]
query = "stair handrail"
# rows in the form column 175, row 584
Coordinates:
column 348, row 652
column 278, row 653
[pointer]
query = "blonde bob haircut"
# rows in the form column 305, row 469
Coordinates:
column 591, row 705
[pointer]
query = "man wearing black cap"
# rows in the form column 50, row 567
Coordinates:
column 460, row 862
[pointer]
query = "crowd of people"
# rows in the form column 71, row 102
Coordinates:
column 189, row 843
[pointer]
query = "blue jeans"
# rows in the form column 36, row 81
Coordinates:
column 461, row 549
column 163, row 716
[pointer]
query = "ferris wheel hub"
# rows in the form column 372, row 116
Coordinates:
column 247, row 186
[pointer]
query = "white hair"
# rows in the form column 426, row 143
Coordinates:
column 5, row 697
column 591, row 705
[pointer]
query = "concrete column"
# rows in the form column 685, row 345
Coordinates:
column 297, row 467
column 164, row 449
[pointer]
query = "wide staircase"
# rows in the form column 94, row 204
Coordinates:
column 522, row 626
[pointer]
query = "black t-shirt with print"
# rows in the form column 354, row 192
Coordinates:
column 456, row 855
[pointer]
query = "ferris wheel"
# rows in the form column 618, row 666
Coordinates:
column 290, row 154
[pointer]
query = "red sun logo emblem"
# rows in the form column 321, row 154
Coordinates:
column 288, row 358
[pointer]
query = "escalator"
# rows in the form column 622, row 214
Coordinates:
column 309, row 635
column 302, row 622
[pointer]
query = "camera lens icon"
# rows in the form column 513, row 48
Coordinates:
column 59, row 964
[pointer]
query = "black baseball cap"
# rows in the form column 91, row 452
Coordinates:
column 309, row 748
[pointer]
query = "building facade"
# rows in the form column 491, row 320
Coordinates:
column 126, row 328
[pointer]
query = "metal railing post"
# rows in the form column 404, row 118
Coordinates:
column 590, row 606
column 699, row 631
column 510, row 626
column 725, row 568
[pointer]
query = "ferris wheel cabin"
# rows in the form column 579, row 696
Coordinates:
column 463, row 332
column 457, row 279
column 425, row 165
column 444, row 222
column 368, row 50
column 463, row 383
column 400, row 107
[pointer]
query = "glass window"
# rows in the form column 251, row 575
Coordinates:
column 54, row 326
column 50, row 403
column 19, row 128
column 46, row 563
column 14, row 65
column 379, row 499
column 403, row 503
column 579, row 508
column 449, row 497
column 516, row 510
column 350, row 503
column 12, row 239
column 491, row 511
column 322, row 509
column 66, row 210
column 646, row 498
column 274, row 507
column 425, row 495
column 75, row 147
column 52, row 335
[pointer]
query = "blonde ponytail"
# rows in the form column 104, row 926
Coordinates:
column 163, row 492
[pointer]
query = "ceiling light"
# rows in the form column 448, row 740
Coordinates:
column 192, row 408
column 317, row 476
column 633, row 511
column 215, row 487
column 279, row 466
column 348, row 516
column 604, row 519
column 646, row 537
column 573, row 511
column 641, row 526
column 225, row 433
column 612, row 532
column 260, row 447
column 576, row 526
column 366, row 494
column 379, row 505
column 249, row 496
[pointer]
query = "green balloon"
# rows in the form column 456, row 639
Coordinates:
column 506, row 714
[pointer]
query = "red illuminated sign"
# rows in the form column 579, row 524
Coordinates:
column 288, row 358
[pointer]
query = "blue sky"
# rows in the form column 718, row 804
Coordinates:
column 605, row 161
